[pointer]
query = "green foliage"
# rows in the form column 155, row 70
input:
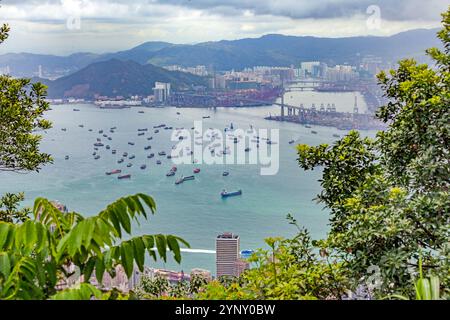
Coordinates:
column 9, row 208
column 344, row 163
column 84, row 292
column 196, row 282
column 116, row 294
column 37, row 255
column 153, row 287
column 158, row 287
column 389, row 196
column 215, row 290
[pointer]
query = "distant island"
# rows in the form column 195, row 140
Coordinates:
column 117, row 78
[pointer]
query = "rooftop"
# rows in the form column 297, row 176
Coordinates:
column 227, row 235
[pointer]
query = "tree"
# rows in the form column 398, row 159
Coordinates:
column 41, row 253
column 158, row 287
column 196, row 282
column 153, row 287
column 22, row 106
column 389, row 196
column 9, row 208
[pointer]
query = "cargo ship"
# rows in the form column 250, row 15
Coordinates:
column 183, row 179
column 225, row 194
column 113, row 172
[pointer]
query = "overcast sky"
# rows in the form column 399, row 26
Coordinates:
column 67, row 26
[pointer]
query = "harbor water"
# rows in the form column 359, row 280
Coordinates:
column 193, row 210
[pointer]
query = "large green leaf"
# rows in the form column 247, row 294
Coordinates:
column 435, row 287
column 122, row 211
column 5, row 266
column 99, row 269
column 126, row 255
column 423, row 289
column 5, row 230
column 139, row 252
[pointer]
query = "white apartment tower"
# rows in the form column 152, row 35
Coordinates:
column 161, row 91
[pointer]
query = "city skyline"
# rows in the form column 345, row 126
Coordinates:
column 67, row 26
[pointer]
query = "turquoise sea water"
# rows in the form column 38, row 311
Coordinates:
column 193, row 210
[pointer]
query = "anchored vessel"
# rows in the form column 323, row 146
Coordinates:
column 183, row 179
column 113, row 172
column 225, row 194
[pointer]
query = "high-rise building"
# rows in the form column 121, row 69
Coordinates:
column 309, row 68
column 341, row 73
column 161, row 91
column 220, row 82
column 227, row 254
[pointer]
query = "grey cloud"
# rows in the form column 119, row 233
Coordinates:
column 300, row 9
column 394, row 10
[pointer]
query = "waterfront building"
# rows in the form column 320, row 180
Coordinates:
column 220, row 82
column 171, row 276
column 313, row 69
column 149, row 99
column 227, row 254
column 341, row 73
column 117, row 104
column 298, row 73
column 161, row 92
column 309, row 68
column 239, row 267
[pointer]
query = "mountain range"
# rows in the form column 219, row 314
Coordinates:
column 269, row 50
